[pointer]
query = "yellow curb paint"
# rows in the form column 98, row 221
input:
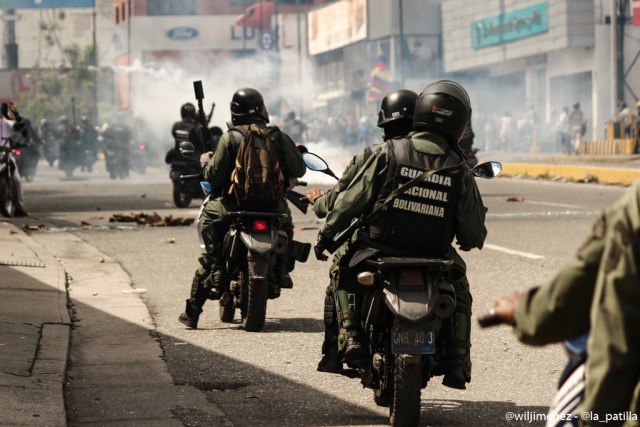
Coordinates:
column 604, row 175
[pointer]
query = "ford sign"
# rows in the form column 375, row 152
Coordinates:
column 182, row 33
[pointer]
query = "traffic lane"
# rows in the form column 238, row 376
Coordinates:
column 279, row 363
column 512, row 198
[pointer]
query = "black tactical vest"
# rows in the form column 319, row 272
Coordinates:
column 423, row 219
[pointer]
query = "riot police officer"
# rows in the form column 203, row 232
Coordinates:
column 247, row 109
column 395, row 118
column 188, row 129
column 441, row 115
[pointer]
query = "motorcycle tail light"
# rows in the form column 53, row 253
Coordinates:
column 16, row 152
column 260, row 225
column 141, row 147
column 410, row 278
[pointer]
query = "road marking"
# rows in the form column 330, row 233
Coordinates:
column 560, row 205
column 513, row 252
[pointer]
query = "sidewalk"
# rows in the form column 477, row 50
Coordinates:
column 114, row 372
column 35, row 331
column 606, row 169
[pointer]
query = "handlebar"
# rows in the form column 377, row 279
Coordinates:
column 489, row 320
column 192, row 176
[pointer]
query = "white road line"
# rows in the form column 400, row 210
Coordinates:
column 560, row 205
column 513, row 252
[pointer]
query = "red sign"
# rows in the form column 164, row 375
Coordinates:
column 635, row 12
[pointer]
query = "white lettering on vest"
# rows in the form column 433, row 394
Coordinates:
column 426, row 193
column 435, row 178
column 418, row 207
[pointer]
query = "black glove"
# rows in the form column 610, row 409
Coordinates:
column 322, row 243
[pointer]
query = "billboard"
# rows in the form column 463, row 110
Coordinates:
column 337, row 25
column 510, row 26
column 44, row 4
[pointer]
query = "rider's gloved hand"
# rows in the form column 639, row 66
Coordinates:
column 313, row 194
column 205, row 158
column 322, row 243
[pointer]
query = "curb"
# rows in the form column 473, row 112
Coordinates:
column 589, row 173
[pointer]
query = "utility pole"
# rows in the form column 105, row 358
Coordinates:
column 401, row 28
column 614, row 58
column 11, row 47
column 94, row 62
column 623, row 6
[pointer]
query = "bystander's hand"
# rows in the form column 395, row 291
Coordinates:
column 505, row 306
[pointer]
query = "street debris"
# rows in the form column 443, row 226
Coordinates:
column 515, row 199
column 153, row 219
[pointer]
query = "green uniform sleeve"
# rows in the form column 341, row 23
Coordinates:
column 218, row 170
column 293, row 164
column 613, row 363
column 354, row 201
column 470, row 216
column 324, row 204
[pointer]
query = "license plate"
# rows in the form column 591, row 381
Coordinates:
column 412, row 341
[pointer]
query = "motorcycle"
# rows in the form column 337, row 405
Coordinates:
column 27, row 158
column 139, row 159
column 117, row 162
column 406, row 303
column 182, row 164
column 7, row 204
column 251, row 247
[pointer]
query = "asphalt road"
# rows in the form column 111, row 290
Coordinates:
column 269, row 378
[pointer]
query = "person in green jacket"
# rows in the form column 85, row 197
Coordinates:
column 597, row 292
column 395, row 118
column 459, row 213
column 247, row 109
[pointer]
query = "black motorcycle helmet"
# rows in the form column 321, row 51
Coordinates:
column 188, row 111
column 396, row 113
column 248, row 104
column 443, row 106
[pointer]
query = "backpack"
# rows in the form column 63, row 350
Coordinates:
column 257, row 181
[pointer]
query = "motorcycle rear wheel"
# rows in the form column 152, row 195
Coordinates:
column 181, row 198
column 407, row 384
column 256, row 311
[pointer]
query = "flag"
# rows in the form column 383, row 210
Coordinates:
column 257, row 15
column 381, row 80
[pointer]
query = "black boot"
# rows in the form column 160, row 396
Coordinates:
column 455, row 374
column 331, row 361
column 190, row 316
column 282, row 275
column 356, row 354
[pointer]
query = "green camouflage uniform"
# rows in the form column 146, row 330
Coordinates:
column 597, row 292
column 215, row 218
column 352, row 197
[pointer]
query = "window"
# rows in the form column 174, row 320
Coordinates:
column 171, row 8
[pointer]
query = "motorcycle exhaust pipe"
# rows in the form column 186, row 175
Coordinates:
column 282, row 242
column 445, row 305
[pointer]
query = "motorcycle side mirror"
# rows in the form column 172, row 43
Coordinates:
column 487, row 170
column 186, row 148
column 316, row 163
